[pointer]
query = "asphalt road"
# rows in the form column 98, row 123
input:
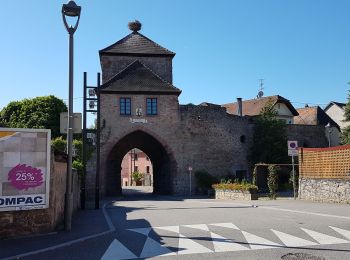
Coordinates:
column 177, row 228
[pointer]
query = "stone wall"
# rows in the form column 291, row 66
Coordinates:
column 307, row 135
column 325, row 190
column 207, row 138
column 234, row 195
column 28, row 222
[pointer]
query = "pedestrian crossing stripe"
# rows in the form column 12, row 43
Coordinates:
column 152, row 248
column 186, row 245
column 257, row 242
column 222, row 244
column 343, row 232
column 198, row 226
column 189, row 246
column 324, row 239
column 292, row 241
column 117, row 251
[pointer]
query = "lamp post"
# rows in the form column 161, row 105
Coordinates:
column 70, row 9
column 328, row 127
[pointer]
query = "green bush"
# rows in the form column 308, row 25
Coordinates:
column 236, row 186
column 137, row 176
column 204, row 180
column 59, row 144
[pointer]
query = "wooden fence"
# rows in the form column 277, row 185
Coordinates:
column 325, row 163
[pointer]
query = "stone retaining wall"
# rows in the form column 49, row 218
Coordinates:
column 325, row 190
column 29, row 222
column 235, row 195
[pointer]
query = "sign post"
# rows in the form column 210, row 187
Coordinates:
column 190, row 172
column 293, row 151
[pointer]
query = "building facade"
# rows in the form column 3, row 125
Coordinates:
column 139, row 108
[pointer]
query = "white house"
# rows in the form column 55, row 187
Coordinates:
column 336, row 110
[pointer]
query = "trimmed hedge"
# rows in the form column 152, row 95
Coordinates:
column 236, row 186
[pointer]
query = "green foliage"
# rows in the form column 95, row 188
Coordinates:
column 270, row 137
column 78, row 165
column 137, row 176
column 272, row 180
column 204, row 180
column 236, row 186
column 346, row 131
column 59, row 144
column 39, row 112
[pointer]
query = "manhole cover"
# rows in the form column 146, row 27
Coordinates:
column 301, row 256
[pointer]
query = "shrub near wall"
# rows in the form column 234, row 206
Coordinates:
column 235, row 191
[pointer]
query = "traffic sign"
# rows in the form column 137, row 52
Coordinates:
column 292, row 148
column 77, row 120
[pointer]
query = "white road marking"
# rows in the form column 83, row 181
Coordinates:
column 143, row 231
column 324, row 239
column 226, row 225
column 153, row 248
column 198, row 226
column 292, row 241
column 345, row 233
column 257, row 242
column 170, row 228
column 222, row 244
column 117, row 251
column 188, row 246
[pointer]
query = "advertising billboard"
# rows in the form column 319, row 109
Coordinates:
column 24, row 168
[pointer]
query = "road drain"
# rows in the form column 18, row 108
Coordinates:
column 301, row 256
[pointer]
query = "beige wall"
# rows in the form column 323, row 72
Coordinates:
column 284, row 113
column 337, row 114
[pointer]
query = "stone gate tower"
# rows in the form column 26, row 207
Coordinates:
column 140, row 109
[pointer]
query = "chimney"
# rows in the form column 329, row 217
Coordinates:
column 239, row 107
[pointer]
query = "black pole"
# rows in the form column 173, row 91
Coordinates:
column 97, row 187
column 83, row 179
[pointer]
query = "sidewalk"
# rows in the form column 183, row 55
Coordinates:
column 85, row 223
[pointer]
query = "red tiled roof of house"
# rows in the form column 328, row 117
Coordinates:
column 253, row 107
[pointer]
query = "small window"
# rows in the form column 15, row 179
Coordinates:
column 242, row 138
column 136, row 169
column 147, row 169
column 125, row 106
column 135, row 156
column 151, row 104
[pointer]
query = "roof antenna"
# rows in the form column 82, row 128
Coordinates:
column 261, row 93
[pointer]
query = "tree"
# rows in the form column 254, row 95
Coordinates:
column 270, row 137
column 346, row 130
column 39, row 112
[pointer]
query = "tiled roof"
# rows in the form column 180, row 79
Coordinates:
column 313, row 116
column 207, row 104
column 138, row 78
column 137, row 44
column 253, row 107
column 341, row 105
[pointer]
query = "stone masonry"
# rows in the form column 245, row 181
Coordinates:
column 325, row 190
column 204, row 137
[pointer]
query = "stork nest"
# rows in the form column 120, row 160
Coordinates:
column 135, row 26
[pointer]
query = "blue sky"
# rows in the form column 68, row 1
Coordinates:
column 301, row 48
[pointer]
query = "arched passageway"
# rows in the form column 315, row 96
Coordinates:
column 162, row 161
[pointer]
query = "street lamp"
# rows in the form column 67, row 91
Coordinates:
column 329, row 128
column 72, row 10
